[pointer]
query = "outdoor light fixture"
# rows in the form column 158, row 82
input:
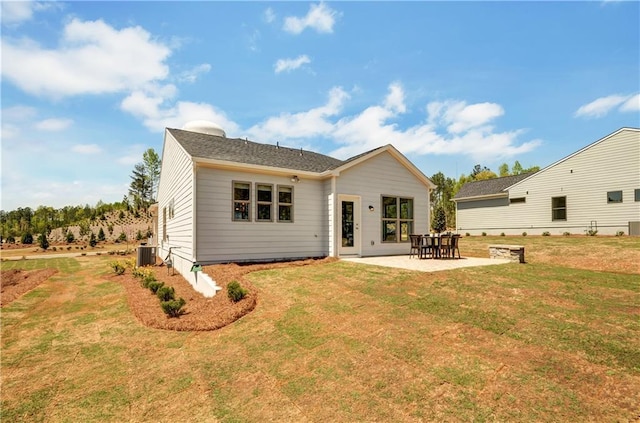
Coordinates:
column 371, row 208
column 295, row 179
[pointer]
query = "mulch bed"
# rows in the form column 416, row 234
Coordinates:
column 16, row 282
column 201, row 313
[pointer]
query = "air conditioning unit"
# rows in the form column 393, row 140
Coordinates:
column 146, row 256
column 634, row 228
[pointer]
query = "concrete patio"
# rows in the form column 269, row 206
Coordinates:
column 425, row 265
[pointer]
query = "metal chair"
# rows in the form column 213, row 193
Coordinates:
column 416, row 245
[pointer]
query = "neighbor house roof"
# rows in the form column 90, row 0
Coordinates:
column 489, row 187
column 243, row 151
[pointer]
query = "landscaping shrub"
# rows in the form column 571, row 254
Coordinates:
column 173, row 308
column 502, row 234
column 467, row 234
column 166, row 293
column 155, row 286
column 546, row 233
column 566, row 233
column 591, row 232
column 27, row 238
column 147, row 280
column 620, row 233
column 235, row 291
column 524, row 234
column 93, row 241
column 70, row 237
column 117, row 267
column 484, row 234
column 122, row 237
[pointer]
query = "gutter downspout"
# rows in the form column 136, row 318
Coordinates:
column 334, row 229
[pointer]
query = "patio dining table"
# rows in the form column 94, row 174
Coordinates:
column 433, row 245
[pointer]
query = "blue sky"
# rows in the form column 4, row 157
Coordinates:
column 88, row 86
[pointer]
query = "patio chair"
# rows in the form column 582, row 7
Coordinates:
column 455, row 245
column 428, row 246
column 416, row 244
column 445, row 245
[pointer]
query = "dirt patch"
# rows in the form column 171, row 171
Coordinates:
column 201, row 313
column 15, row 283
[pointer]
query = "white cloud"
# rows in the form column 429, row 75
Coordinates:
column 311, row 123
column 86, row 149
column 19, row 113
column 460, row 117
column 54, row 124
column 17, row 12
column 156, row 115
column 192, row 75
column 604, row 105
column 291, row 64
column 631, row 105
column 269, row 15
column 89, row 60
column 320, row 17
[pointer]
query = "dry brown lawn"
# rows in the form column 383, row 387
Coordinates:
column 556, row 339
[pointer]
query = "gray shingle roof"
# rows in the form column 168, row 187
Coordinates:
column 248, row 152
column 489, row 186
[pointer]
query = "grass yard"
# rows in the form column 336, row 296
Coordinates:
column 543, row 341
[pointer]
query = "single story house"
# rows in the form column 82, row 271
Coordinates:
column 233, row 200
column 594, row 189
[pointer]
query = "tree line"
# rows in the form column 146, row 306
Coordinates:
column 444, row 210
column 23, row 223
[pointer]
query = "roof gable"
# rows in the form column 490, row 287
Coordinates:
column 236, row 150
column 570, row 156
column 489, row 187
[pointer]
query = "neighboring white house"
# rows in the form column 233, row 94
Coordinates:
column 234, row 200
column 595, row 188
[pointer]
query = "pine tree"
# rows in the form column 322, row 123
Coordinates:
column 42, row 240
column 101, row 236
column 439, row 223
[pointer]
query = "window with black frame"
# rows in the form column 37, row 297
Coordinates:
column 397, row 219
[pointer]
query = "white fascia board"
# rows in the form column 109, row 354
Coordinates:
column 224, row 164
column 396, row 154
column 481, row 197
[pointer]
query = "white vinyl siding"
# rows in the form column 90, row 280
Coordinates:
column 221, row 239
column 175, row 195
column 384, row 175
column 584, row 178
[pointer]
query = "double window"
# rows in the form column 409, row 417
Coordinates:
column 397, row 219
column 264, row 207
column 559, row 208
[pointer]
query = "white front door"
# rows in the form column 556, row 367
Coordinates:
column 349, row 230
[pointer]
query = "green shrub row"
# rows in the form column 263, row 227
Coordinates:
column 171, row 306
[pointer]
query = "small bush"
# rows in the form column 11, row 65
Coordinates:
column 70, row 237
column 166, row 293
column 524, row 234
column 155, row 286
column 467, row 234
column 546, row 233
column 591, row 232
column 566, row 233
column 502, row 234
column 235, row 291
column 54, row 249
column 484, row 234
column 620, row 233
column 147, row 280
column 117, row 267
column 173, row 308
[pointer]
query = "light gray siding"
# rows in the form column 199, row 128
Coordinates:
column 220, row 239
column 611, row 164
column 176, row 188
column 383, row 175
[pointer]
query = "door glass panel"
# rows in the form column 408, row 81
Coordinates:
column 347, row 224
